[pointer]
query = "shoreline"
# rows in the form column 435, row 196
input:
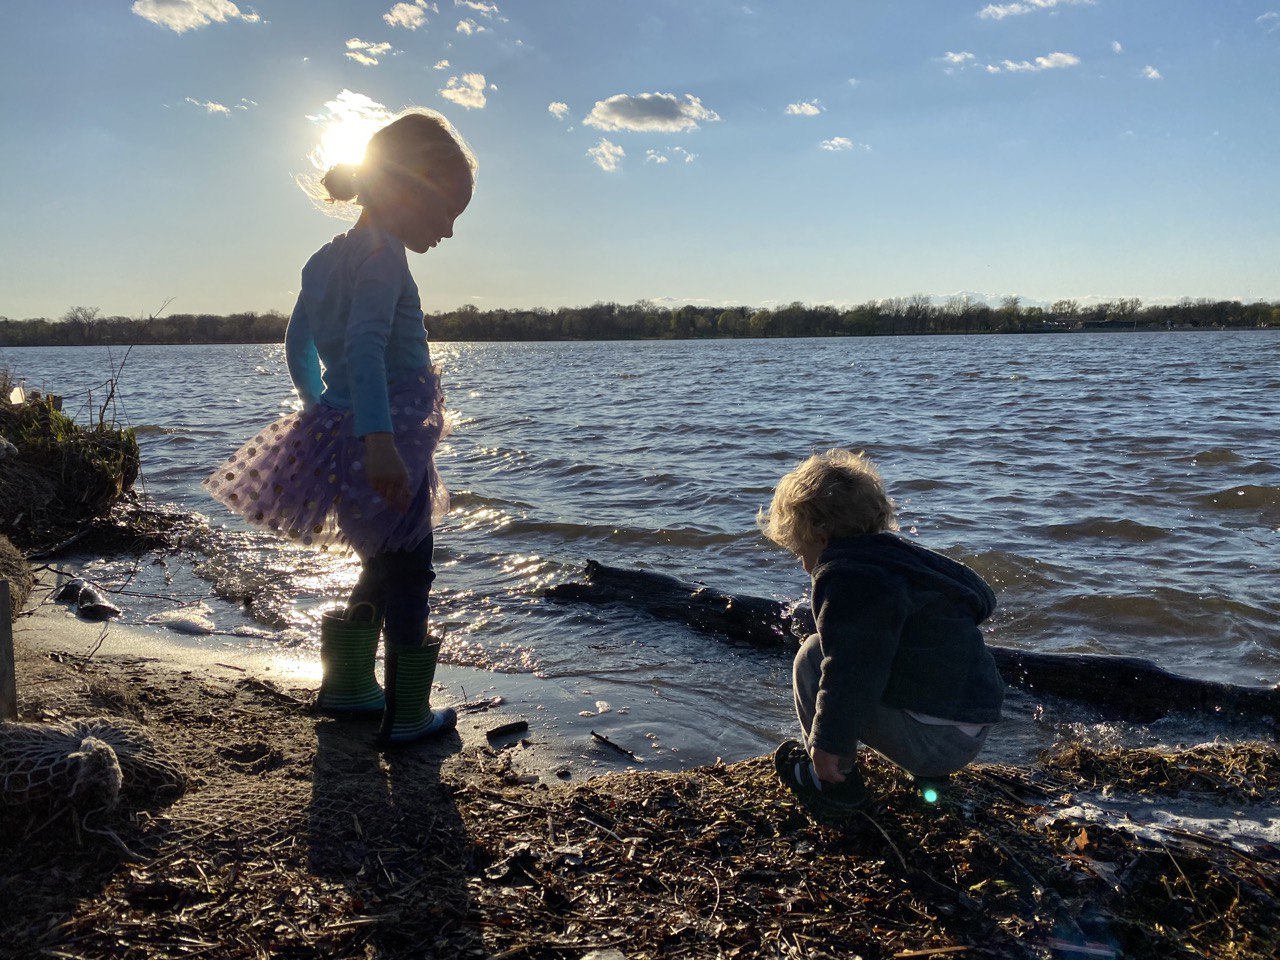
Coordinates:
column 294, row 837
column 962, row 334
column 51, row 629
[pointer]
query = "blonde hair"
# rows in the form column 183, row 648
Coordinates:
column 420, row 143
column 834, row 494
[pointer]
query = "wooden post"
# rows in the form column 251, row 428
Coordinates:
column 8, row 679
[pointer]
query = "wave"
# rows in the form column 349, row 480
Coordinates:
column 1105, row 528
column 1005, row 569
column 1191, row 622
column 1214, row 455
column 1265, row 499
column 566, row 532
column 466, row 499
column 923, row 485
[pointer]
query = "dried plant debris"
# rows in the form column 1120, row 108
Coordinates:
column 1239, row 772
column 296, row 839
column 60, row 475
column 720, row 862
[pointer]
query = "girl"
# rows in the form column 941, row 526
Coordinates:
column 355, row 466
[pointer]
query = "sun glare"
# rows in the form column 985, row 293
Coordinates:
column 346, row 124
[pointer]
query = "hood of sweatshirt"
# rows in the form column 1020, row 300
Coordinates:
column 917, row 565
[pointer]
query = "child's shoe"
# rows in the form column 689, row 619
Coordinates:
column 408, row 717
column 795, row 770
column 348, row 648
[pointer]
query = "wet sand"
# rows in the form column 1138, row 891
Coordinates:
column 484, row 700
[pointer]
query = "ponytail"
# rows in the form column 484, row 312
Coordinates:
column 341, row 182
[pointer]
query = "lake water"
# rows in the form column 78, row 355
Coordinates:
column 1121, row 492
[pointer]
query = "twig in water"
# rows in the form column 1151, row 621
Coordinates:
column 516, row 726
column 622, row 750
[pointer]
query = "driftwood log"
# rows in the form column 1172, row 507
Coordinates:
column 1128, row 688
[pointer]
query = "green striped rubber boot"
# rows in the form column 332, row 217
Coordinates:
column 408, row 717
column 348, row 648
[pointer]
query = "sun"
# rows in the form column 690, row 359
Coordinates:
column 346, row 124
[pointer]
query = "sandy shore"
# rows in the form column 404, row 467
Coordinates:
column 292, row 837
column 49, row 628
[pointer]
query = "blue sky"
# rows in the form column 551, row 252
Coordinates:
column 695, row 151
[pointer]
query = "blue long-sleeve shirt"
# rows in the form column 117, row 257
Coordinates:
column 357, row 327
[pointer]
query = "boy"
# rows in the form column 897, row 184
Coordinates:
column 898, row 662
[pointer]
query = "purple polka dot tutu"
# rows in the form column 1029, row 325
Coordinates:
column 303, row 475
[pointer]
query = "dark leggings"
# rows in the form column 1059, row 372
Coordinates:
column 398, row 584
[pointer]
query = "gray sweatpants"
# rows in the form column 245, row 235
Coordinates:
column 922, row 749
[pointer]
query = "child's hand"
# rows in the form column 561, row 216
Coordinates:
column 386, row 471
column 827, row 766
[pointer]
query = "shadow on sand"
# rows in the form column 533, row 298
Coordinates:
column 384, row 826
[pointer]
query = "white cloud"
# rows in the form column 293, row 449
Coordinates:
column 654, row 112
column 409, row 15
column 1054, row 61
column 441, row 65
column 607, row 155
column 484, row 9
column 957, row 60
column 209, row 106
column 1270, row 20
column 466, row 91
column 964, row 59
column 377, row 49
column 678, row 153
column 998, row 11
column 805, row 108
column 1057, row 61
column 183, row 15
column 558, row 109
column 363, row 51
column 1151, row 73
column 468, row 27
column 841, row 144
column 1116, row 47
column 246, row 104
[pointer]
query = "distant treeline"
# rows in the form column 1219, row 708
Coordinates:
column 916, row 315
